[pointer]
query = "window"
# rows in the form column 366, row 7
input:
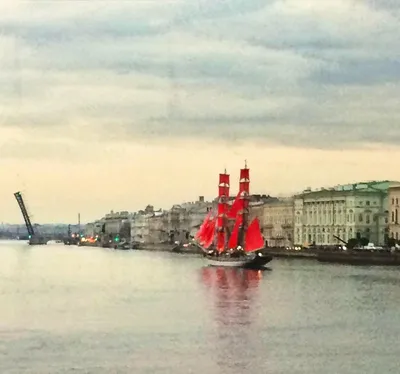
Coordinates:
column 397, row 201
column 392, row 216
column 360, row 217
column 393, row 201
column 367, row 202
column 367, row 219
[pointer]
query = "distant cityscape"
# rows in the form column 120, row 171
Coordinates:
column 19, row 231
column 365, row 211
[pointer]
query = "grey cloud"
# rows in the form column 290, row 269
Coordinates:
column 383, row 4
column 258, row 71
column 362, row 73
column 215, row 10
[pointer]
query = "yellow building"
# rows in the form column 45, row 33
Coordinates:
column 277, row 222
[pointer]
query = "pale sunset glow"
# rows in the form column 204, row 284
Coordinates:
column 114, row 105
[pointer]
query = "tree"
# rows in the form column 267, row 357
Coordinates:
column 364, row 241
column 391, row 242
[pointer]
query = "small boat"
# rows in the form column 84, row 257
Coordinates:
column 226, row 238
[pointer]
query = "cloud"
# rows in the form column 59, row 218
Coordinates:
column 315, row 74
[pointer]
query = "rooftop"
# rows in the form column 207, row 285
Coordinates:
column 368, row 186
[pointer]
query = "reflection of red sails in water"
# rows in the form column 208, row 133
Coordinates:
column 234, row 289
column 234, row 293
column 231, row 278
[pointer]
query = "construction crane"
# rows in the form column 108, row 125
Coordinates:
column 34, row 239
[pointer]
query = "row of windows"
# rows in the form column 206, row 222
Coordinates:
column 338, row 203
column 395, row 200
column 338, row 219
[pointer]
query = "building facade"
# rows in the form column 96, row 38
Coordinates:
column 140, row 227
column 394, row 212
column 114, row 221
column 277, row 223
column 357, row 210
column 185, row 219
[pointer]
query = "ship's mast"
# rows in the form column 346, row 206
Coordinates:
column 244, row 188
column 223, row 195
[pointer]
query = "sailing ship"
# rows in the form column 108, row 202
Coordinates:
column 226, row 238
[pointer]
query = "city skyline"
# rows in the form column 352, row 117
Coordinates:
column 116, row 105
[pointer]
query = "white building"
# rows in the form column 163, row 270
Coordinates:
column 348, row 211
column 394, row 212
column 140, row 227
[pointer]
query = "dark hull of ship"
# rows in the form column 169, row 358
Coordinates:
column 250, row 262
column 255, row 260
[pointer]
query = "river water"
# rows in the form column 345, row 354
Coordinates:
column 89, row 310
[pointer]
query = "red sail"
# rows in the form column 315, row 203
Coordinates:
column 209, row 235
column 235, row 207
column 245, row 173
column 224, row 179
column 203, row 226
column 207, row 229
column 233, row 240
column 203, row 235
column 254, row 239
column 244, row 206
column 221, row 215
column 244, row 191
column 240, row 204
column 244, row 187
column 223, row 191
column 221, row 241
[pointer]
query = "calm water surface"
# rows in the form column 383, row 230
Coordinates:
column 79, row 310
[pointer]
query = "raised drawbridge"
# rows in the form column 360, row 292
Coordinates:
column 34, row 238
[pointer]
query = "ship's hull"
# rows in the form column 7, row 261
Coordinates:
column 227, row 262
column 254, row 261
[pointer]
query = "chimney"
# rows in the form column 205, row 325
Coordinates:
column 201, row 199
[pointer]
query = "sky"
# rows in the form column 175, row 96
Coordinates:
column 117, row 104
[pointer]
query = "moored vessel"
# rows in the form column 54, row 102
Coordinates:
column 226, row 237
column 360, row 257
